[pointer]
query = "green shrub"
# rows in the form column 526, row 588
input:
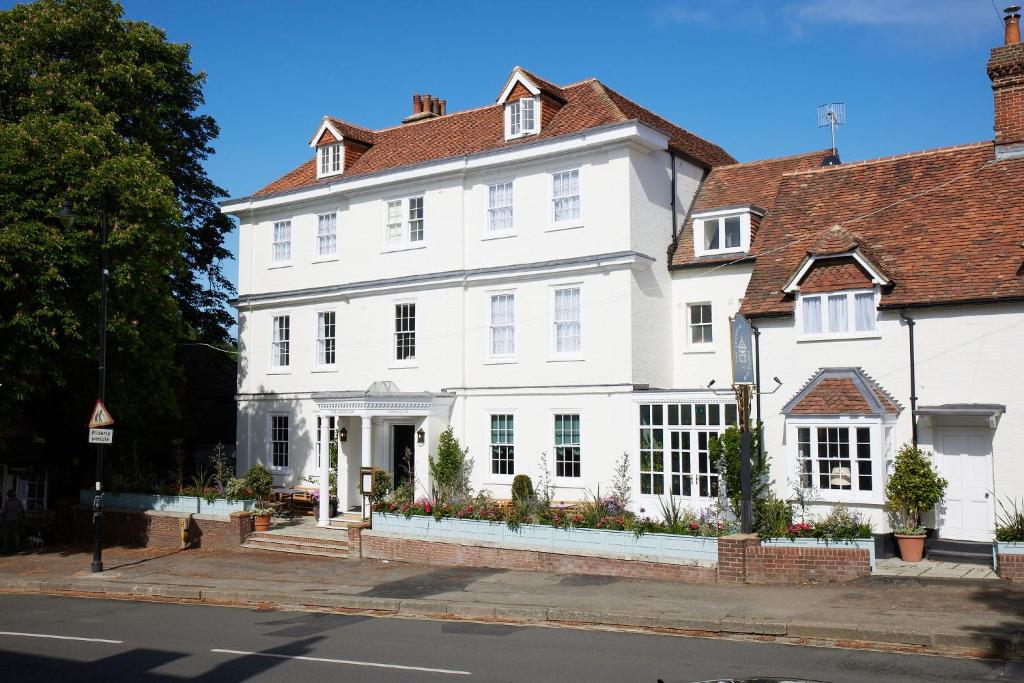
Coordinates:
column 1010, row 522
column 522, row 488
column 260, row 482
column 773, row 517
column 842, row 524
column 450, row 470
column 381, row 486
column 724, row 450
column 914, row 488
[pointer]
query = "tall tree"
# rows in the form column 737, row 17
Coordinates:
column 104, row 111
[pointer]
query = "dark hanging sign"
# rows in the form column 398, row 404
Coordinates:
column 741, row 344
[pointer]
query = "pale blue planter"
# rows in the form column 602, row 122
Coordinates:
column 599, row 542
column 1005, row 548
column 860, row 543
column 188, row 504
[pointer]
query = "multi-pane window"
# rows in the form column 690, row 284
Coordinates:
column 835, row 458
column 838, row 314
column 280, row 343
column 32, row 490
column 567, row 445
column 722, row 234
column 326, row 338
column 700, row 324
column 568, row 334
column 331, row 436
column 405, row 332
column 279, row 441
column 330, row 159
column 499, row 207
column 566, row 196
column 687, row 429
column 404, row 221
column 282, row 247
column 503, row 325
column 327, row 234
column 503, row 444
column 522, row 116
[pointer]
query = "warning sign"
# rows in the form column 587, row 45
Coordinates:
column 100, row 416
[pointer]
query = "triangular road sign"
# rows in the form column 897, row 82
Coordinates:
column 100, row 416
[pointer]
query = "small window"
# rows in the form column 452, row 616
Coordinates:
column 503, row 459
column 719, row 235
column 282, row 248
column 279, row 441
column 844, row 314
column 405, row 332
column 503, row 325
column 567, row 332
column 567, row 445
column 566, row 196
column 499, row 208
column 404, row 222
column 522, row 117
column 330, row 159
column 280, row 352
column 699, row 322
column 327, row 235
column 326, row 340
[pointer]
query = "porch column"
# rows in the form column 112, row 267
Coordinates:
column 367, row 453
column 325, row 473
column 342, row 472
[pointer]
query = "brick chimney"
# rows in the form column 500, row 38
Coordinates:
column 1006, row 69
column 425, row 107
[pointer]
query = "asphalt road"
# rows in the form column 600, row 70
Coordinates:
column 68, row 639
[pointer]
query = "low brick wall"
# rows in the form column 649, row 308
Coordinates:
column 387, row 547
column 355, row 538
column 162, row 529
column 1010, row 567
column 775, row 564
column 732, row 557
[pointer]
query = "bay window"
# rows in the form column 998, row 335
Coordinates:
column 837, row 457
column 675, row 444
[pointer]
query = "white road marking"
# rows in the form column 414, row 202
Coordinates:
column 48, row 635
column 343, row 661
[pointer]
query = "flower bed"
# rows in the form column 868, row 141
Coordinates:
column 145, row 501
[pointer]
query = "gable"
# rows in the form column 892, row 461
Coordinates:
column 833, row 275
column 327, row 138
column 519, row 91
column 841, row 391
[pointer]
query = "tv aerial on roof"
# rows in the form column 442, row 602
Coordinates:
column 832, row 115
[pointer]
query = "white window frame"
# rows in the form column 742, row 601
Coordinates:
column 280, row 257
column 515, row 121
column 490, row 210
column 330, row 159
column 555, row 445
column 492, row 326
column 851, row 331
column 555, row 354
column 510, row 446
column 699, row 346
column 275, row 344
column 395, row 332
column 323, row 239
column 572, row 221
column 334, row 421
column 287, row 443
column 404, row 223
column 878, row 457
column 704, row 219
column 322, row 341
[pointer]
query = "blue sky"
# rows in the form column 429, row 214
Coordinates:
column 747, row 75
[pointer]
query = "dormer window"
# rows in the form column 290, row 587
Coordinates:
column 721, row 232
column 329, row 158
column 522, row 117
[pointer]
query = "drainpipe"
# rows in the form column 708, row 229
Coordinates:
column 757, row 383
column 913, row 379
column 672, row 160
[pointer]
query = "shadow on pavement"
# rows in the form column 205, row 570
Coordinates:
column 433, row 582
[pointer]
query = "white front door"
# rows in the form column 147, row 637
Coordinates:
column 965, row 460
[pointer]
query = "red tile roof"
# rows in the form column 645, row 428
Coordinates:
column 588, row 104
column 944, row 224
column 754, row 182
column 842, row 391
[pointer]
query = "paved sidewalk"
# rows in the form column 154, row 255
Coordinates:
column 934, row 569
column 965, row 617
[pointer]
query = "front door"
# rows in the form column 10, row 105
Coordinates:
column 965, row 461
column 403, row 453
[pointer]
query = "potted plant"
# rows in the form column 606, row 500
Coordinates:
column 260, row 482
column 914, row 488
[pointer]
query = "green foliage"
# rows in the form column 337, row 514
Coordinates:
column 774, row 518
column 522, row 488
column 622, row 482
column 381, row 486
column 676, row 518
column 450, row 470
column 1010, row 522
column 725, row 452
column 842, row 524
column 914, row 488
column 259, row 482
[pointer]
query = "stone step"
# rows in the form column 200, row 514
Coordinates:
column 339, row 540
column 969, row 552
column 317, row 549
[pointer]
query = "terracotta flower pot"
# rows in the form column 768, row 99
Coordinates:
column 262, row 522
column 911, row 547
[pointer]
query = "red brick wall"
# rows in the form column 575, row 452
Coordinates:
column 454, row 554
column 355, row 538
column 154, row 530
column 1006, row 69
column 775, row 564
column 1011, row 567
column 732, row 557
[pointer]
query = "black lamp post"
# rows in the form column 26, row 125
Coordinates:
column 67, row 219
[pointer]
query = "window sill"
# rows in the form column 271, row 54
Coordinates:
column 279, row 371
column 839, row 337
column 402, row 366
column 720, row 252
column 566, row 359
column 829, row 497
column 557, row 227
column 500, row 480
column 275, row 266
column 324, row 368
column 501, row 361
column 408, row 247
column 517, row 136
column 568, row 482
column 701, row 348
column 497, row 235
column 325, row 259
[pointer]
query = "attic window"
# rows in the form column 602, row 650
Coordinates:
column 521, row 117
column 329, row 158
column 721, row 232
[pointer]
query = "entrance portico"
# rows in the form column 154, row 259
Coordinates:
column 370, row 419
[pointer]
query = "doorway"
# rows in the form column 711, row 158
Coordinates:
column 965, row 461
column 403, row 453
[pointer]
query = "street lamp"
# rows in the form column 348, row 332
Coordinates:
column 67, row 217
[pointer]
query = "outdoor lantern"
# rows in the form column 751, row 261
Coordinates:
column 343, row 434
column 366, row 480
column 421, row 436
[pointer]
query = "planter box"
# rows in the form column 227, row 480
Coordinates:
column 592, row 542
column 189, row 504
column 858, row 544
column 1005, row 548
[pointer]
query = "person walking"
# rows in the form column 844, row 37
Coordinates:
column 11, row 513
